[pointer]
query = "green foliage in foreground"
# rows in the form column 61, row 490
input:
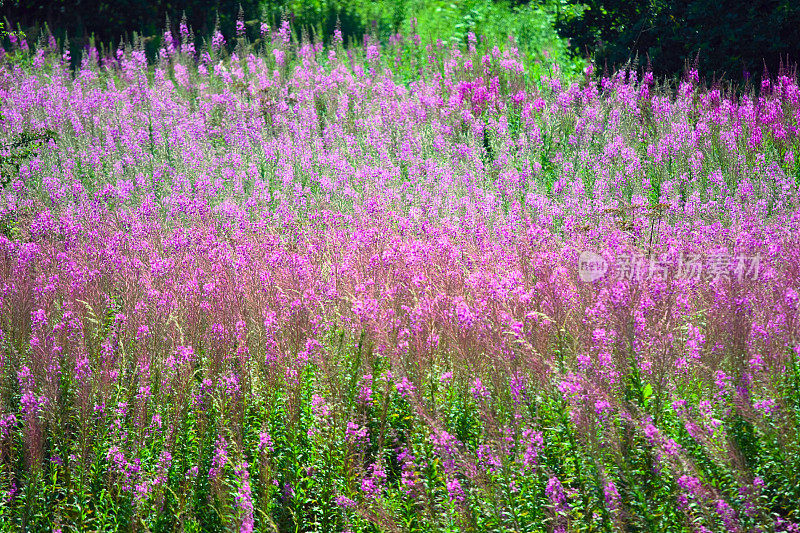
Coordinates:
column 344, row 446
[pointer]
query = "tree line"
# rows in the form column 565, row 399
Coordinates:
column 723, row 39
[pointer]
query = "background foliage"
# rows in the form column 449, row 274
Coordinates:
column 110, row 21
column 727, row 38
column 530, row 24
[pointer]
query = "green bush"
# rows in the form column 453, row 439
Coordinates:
column 531, row 25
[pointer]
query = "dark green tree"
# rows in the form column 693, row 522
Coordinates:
column 727, row 38
column 109, row 21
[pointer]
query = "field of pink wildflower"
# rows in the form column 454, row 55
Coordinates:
column 276, row 286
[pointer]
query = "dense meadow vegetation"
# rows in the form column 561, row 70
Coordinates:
column 405, row 286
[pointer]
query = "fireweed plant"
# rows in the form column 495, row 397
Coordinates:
column 296, row 288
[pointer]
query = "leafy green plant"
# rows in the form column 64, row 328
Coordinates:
column 21, row 148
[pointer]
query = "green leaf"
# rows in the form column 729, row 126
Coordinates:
column 647, row 391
